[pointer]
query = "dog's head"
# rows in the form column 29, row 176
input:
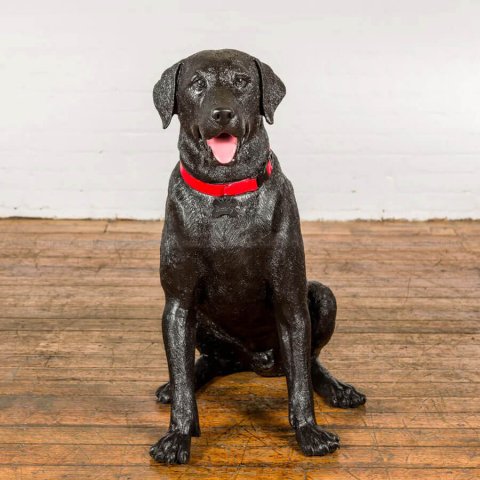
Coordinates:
column 220, row 97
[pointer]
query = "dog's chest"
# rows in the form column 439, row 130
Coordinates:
column 233, row 249
column 226, row 207
column 235, row 223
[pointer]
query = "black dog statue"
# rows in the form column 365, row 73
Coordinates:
column 232, row 258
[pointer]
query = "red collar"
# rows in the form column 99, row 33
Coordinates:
column 226, row 189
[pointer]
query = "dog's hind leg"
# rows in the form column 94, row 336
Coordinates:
column 323, row 309
column 219, row 357
column 206, row 369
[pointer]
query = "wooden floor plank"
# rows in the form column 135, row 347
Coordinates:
column 252, row 454
column 346, row 293
column 294, row 472
column 362, row 374
column 81, row 355
column 237, row 435
column 88, row 388
column 344, row 325
column 350, row 361
column 96, row 410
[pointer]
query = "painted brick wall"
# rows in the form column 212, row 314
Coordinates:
column 381, row 118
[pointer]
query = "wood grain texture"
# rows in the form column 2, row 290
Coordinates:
column 81, row 355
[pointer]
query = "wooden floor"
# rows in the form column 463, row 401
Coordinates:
column 81, row 355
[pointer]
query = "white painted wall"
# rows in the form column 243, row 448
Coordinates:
column 381, row 117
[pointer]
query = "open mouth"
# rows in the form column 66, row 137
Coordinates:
column 223, row 147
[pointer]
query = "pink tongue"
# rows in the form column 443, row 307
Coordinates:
column 223, row 147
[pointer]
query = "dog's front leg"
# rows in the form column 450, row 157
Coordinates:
column 293, row 323
column 179, row 337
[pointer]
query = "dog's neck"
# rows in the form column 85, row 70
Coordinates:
column 250, row 160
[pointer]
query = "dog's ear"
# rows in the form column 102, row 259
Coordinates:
column 272, row 90
column 164, row 94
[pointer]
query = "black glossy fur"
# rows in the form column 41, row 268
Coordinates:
column 233, row 268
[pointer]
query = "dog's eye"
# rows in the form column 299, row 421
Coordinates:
column 199, row 85
column 240, row 82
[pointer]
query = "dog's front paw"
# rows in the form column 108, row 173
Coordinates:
column 174, row 447
column 164, row 393
column 315, row 441
column 343, row 395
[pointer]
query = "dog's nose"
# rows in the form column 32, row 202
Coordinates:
column 222, row 115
